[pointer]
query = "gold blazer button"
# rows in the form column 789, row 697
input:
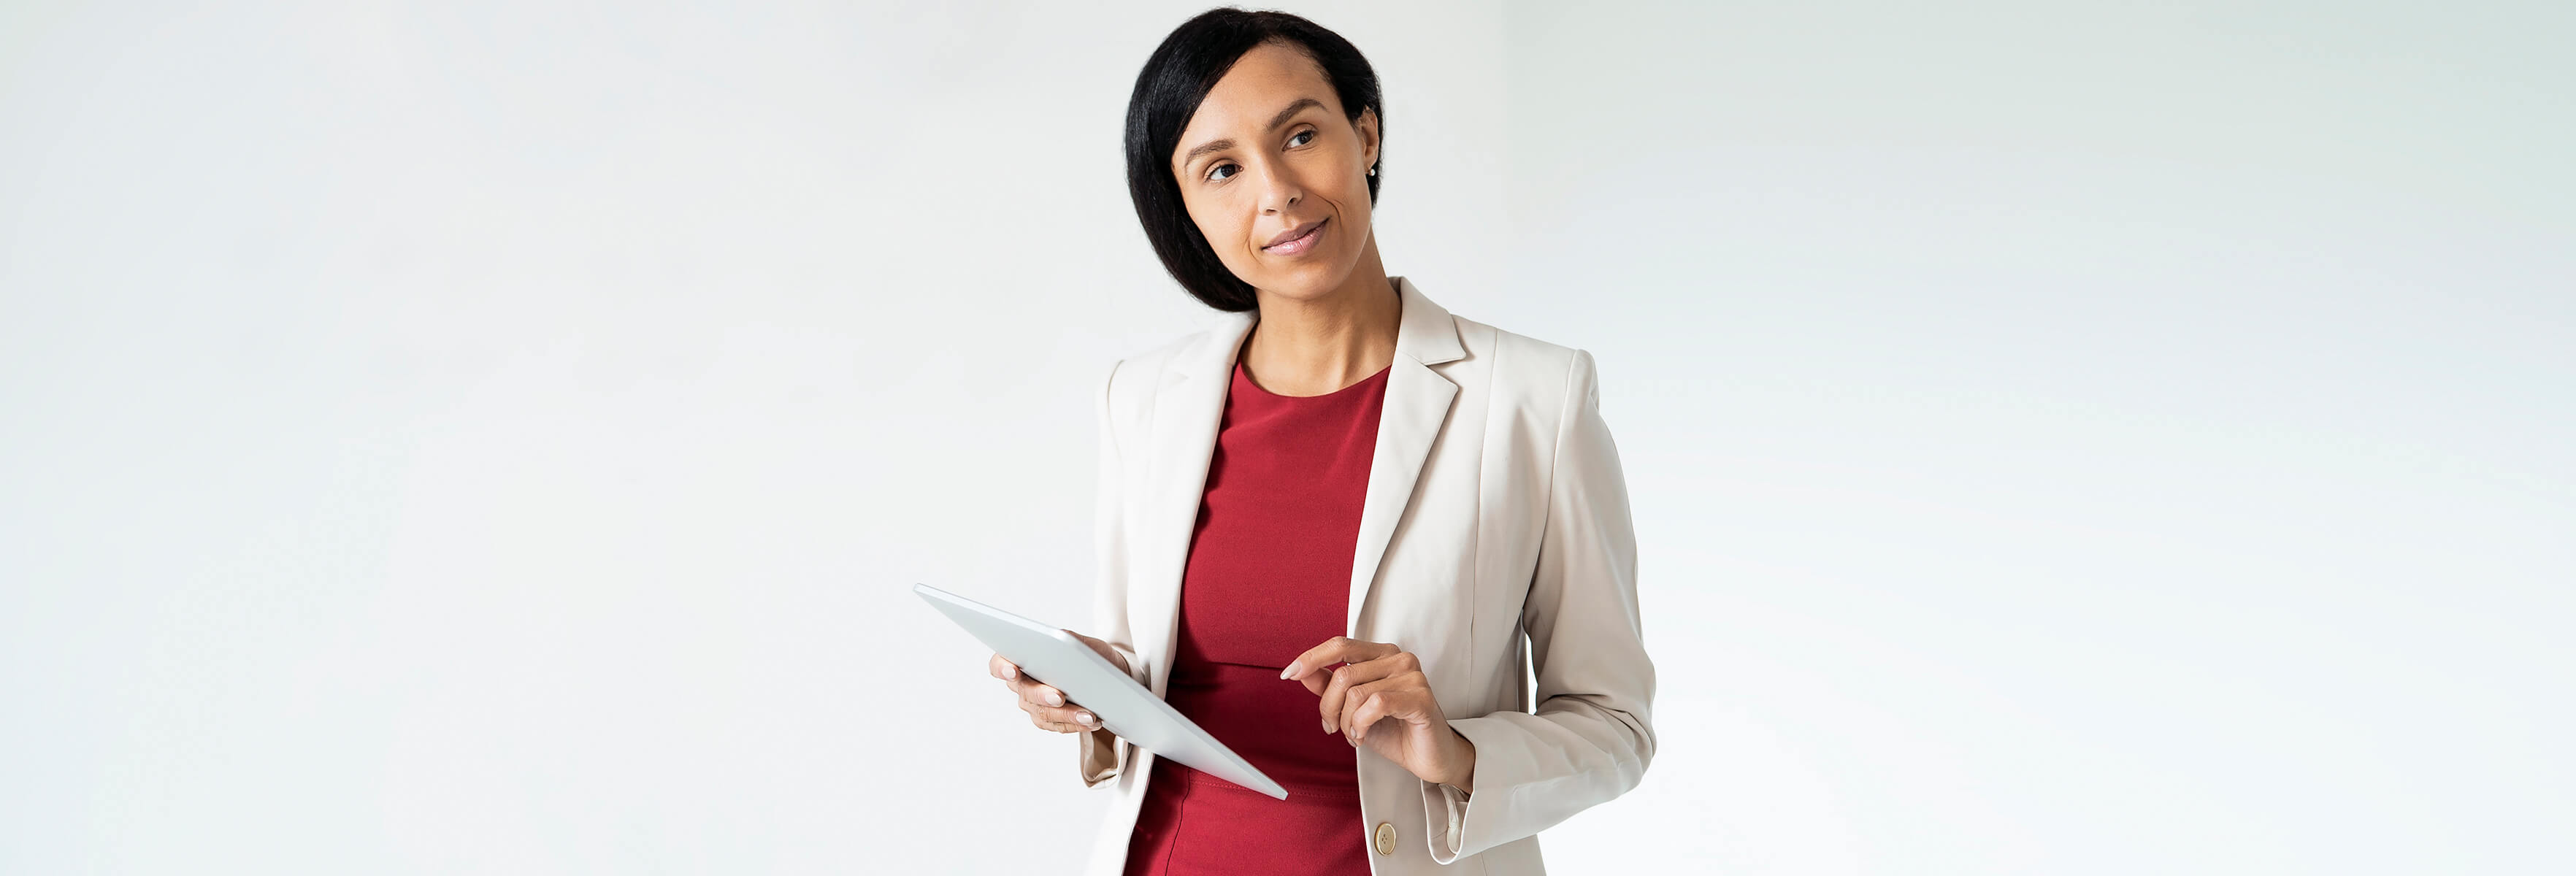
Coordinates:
column 1385, row 838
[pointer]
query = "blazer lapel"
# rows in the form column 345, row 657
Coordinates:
column 1417, row 403
column 1187, row 409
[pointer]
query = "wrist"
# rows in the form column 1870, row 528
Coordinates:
column 1462, row 771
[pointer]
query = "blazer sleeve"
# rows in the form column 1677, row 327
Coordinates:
column 1103, row 754
column 1590, row 737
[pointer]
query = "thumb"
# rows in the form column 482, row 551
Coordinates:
column 1101, row 646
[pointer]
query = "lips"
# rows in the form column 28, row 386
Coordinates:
column 1296, row 238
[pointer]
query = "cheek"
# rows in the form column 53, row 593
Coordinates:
column 1216, row 221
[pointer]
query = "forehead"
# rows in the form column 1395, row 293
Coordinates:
column 1268, row 77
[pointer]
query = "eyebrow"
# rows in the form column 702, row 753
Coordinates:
column 1275, row 121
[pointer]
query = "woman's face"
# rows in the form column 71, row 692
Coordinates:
column 1270, row 153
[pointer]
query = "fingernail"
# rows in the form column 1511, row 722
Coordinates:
column 1009, row 672
column 1289, row 670
column 1328, row 726
column 1055, row 699
column 1085, row 718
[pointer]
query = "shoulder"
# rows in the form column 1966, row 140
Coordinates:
column 1522, row 371
column 1130, row 381
column 1128, row 388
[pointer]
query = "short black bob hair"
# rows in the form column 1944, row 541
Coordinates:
column 1168, row 91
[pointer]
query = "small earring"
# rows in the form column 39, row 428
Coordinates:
column 1372, row 171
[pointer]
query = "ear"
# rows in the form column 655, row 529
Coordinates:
column 1366, row 125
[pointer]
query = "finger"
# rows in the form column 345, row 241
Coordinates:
column 1044, row 718
column 1097, row 645
column 1035, row 691
column 1338, row 649
column 1377, row 701
column 1364, row 671
column 1315, row 682
column 1351, row 700
column 1328, row 704
column 1330, row 699
column 1002, row 669
column 1107, row 652
column 1337, row 690
column 1067, row 719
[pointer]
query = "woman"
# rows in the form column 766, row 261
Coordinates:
column 1342, row 508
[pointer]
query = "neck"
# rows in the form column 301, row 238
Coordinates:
column 1313, row 346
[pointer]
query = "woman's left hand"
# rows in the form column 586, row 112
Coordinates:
column 1382, row 700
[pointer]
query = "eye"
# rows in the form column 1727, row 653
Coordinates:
column 1308, row 133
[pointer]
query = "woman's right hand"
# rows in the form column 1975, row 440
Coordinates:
column 1047, row 706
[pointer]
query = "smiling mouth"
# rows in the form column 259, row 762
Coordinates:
column 1299, row 245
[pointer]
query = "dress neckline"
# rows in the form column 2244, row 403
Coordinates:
column 1245, row 378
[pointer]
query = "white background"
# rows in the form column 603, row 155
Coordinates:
column 497, row 437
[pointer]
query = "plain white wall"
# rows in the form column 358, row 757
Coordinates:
column 2078, row 438
column 497, row 437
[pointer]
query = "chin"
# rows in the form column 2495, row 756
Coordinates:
column 1309, row 283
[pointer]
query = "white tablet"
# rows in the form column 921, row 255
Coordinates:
column 1126, row 708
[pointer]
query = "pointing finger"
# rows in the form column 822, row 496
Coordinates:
column 1338, row 649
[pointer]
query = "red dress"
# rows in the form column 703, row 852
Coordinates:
column 1269, row 577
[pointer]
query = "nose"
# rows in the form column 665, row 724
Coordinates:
column 1279, row 192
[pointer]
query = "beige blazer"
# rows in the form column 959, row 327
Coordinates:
column 1496, row 531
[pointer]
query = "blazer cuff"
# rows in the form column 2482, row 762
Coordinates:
column 1447, row 812
column 1104, row 756
column 1444, row 809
